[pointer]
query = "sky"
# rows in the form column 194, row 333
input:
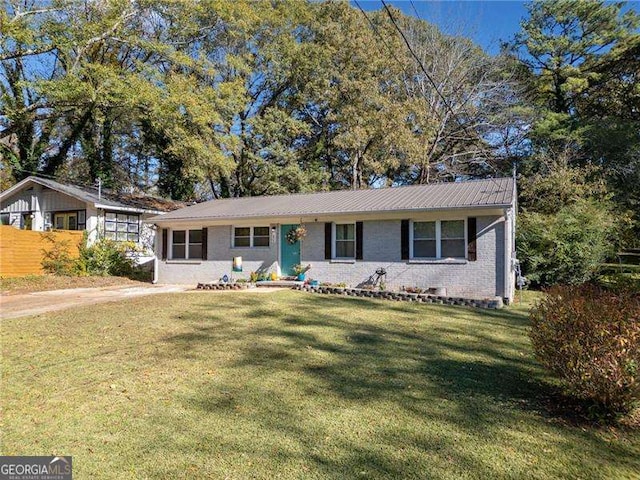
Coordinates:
column 487, row 22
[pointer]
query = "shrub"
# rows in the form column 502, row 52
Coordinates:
column 57, row 259
column 566, row 247
column 106, row 257
column 590, row 338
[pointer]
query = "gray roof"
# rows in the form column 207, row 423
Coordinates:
column 107, row 198
column 495, row 192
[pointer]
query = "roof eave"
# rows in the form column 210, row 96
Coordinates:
column 127, row 209
column 11, row 190
column 163, row 219
column 22, row 183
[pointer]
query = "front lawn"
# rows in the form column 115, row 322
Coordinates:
column 292, row 385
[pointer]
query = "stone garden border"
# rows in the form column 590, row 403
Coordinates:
column 491, row 303
column 224, row 286
column 494, row 303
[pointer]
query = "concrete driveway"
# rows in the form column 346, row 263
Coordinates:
column 13, row 306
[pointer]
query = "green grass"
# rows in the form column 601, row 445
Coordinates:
column 292, row 385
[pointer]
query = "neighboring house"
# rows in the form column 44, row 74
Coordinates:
column 454, row 235
column 37, row 203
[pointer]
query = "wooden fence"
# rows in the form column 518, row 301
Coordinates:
column 21, row 251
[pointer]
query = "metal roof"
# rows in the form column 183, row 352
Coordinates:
column 107, row 199
column 494, row 192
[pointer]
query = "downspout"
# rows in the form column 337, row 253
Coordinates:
column 514, row 255
column 507, row 255
column 155, row 255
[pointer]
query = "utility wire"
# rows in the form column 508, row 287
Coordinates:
column 415, row 10
column 420, row 64
column 424, row 70
column 51, row 177
column 391, row 50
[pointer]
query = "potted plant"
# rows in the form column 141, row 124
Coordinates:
column 300, row 271
column 296, row 234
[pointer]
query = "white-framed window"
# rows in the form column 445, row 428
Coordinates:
column 186, row 244
column 248, row 237
column 344, row 240
column 438, row 239
column 453, row 239
column 122, row 226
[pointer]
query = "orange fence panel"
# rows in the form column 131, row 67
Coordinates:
column 21, row 251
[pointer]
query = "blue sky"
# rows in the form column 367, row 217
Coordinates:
column 487, row 22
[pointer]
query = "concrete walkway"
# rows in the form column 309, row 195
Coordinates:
column 13, row 306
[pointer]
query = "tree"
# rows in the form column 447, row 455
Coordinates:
column 356, row 107
column 563, row 42
column 464, row 104
column 583, row 59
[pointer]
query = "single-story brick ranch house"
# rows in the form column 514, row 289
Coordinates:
column 38, row 203
column 457, row 235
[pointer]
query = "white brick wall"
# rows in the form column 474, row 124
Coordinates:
column 220, row 254
column 381, row 248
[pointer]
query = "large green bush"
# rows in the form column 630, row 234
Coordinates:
column 566, row 247
column 590, row 338
column 106, row 257
column 103, row 257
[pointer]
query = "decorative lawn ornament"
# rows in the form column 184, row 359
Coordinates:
column 237, row 264
column 296, row 234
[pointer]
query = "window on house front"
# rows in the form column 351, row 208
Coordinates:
column 5, row 219
column 251, row 237
column 69, row 220
column 452, row 243
column 439, row 239
column 186, row 244
column 65, row 221
column 424, row 239
column 195, row 243
column 122, row 226
column 345, row 240
column 260, row 236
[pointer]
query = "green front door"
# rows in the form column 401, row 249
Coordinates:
column 289, row 253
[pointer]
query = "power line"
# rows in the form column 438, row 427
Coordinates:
column 419, row 62
column 424, row 70
column 415, row 10
column 391, row 51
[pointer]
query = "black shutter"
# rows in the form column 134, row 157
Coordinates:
column 472, row 250
column 165, row 237
column 404, row 240
column 358, row 240
column 327, row 241
column 205, row 238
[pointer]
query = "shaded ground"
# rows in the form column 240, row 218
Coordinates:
column 292, row 385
